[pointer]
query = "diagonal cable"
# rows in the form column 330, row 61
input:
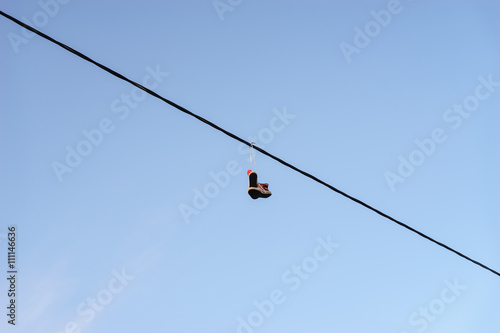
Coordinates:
column 180, row 108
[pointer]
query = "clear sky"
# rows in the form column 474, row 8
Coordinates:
column 134, row 217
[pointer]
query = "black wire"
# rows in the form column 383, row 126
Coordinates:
column 149, row 91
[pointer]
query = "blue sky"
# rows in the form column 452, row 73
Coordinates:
column 132, row 216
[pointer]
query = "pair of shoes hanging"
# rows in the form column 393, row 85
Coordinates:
column 255, row 189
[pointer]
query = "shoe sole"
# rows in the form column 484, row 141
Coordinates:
column 254, row 192
column 265, row 195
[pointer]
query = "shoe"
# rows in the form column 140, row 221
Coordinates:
column 255, row 189
column 264, row 191
column 252, row 179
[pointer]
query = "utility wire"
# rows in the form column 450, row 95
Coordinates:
column 152, row 93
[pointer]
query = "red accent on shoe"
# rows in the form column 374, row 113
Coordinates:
column 248, row 172
column 264, row 186
column 263, row 191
